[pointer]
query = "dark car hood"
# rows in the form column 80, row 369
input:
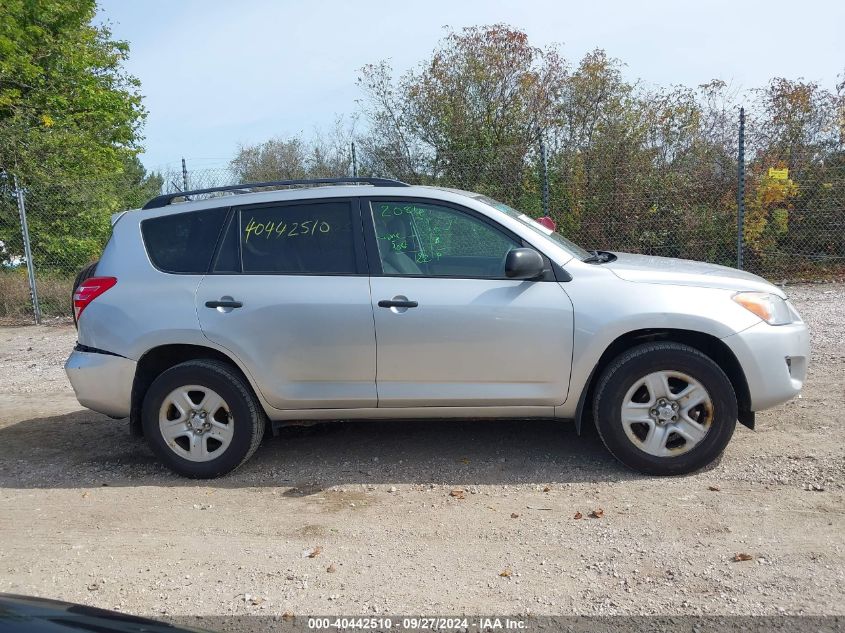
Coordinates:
column 26, row 614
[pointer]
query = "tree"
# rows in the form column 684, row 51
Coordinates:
column 595, row 116
column 323, row 156
column 798, row 126
column 275, row 159
column 631, row 167
column 795, row 123
column 469, row 114
column 70, row 124
column 137, row 186
column 67, row 107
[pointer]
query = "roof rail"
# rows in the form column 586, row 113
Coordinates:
column 165, row 199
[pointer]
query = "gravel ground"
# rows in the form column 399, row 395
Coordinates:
column 87, row 515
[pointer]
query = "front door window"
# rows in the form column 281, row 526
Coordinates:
column 425, row 239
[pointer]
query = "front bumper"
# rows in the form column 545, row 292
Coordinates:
column 774, row 359
column 102, row 382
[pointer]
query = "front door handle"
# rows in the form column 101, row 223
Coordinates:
column 396, row 303
column 223, row 303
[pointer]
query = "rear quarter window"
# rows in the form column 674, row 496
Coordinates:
column 183, row 242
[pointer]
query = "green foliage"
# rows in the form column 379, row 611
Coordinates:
column 67, row 107
column 650, row 170
column 470, row 114
column 70, row 120
column 293, row 158
column 629, row 168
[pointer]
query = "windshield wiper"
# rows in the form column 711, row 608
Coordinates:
column 598, row 257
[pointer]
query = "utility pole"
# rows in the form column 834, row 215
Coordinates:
column 354, row 162
column 184, row 175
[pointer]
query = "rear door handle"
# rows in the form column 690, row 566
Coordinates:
column 394, row 303
column 223, row 304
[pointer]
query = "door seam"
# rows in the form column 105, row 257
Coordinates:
column 375, row 338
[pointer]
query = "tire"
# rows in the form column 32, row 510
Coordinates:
column 655, row 381
column 86, row 273
column 234, row 426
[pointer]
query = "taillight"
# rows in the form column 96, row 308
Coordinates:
column 89, row 290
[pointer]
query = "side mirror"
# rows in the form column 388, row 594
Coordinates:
column 523, row 263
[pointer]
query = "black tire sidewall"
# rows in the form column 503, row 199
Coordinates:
column 239, row 406
column 621, row 376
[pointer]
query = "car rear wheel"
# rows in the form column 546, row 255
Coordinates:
column 202, row 419
column 665, row 409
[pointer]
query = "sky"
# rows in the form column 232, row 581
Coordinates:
column 216, row 74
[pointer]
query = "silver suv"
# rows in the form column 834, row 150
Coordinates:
column 208, row 319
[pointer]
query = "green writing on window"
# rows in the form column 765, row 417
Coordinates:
column 428, row 233
column 280, row 229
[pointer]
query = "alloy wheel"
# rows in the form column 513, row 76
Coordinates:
column 196, row 423
column 667, row 413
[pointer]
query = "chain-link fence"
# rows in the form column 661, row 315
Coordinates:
column 67, row 225
column 794, row 208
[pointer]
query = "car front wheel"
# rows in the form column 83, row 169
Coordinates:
column 665, row 409
column 202, row 419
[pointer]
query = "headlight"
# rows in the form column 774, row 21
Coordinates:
column 771, row 308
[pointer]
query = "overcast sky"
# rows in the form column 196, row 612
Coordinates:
column 219, row 73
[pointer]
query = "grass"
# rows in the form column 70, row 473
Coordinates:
column 53, row 295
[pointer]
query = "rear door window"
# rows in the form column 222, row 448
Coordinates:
column 183, row 242
column 303, row 238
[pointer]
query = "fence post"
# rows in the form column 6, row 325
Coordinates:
column 354, row 162
column 27, row 249
column 740, row 193
column 184, row 175
column 544, row 175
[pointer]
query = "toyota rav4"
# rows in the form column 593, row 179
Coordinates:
column 209, row 319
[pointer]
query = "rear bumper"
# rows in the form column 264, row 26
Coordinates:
column 774, row 359
column 102, row 382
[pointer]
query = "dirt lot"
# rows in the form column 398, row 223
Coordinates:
column 87, row 515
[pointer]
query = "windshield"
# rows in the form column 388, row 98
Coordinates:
column 528, row 221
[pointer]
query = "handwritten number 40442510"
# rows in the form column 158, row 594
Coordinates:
column 280, row 229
